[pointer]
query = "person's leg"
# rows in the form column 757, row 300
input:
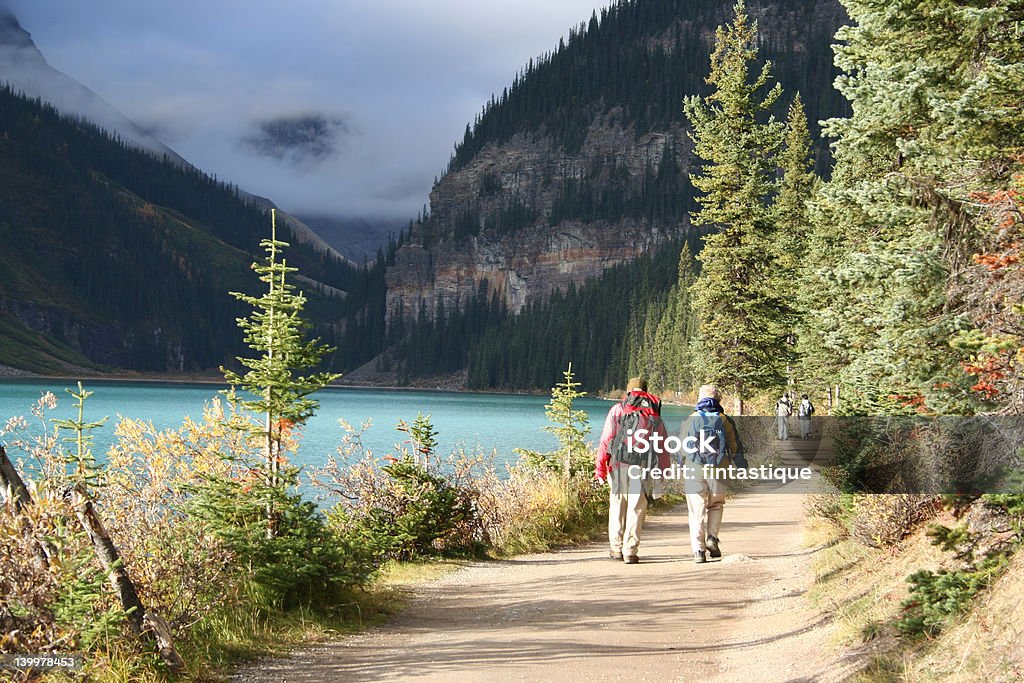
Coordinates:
column 695, row 508
column 715, row 506
column 805, row 429
column 616, row 521
column 636, row 512
column 781, row 423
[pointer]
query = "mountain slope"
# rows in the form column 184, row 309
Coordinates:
column 358, row 239
column 24, row 68
column 583, row 162
column 125, row 260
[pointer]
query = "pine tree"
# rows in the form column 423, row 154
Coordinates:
column 684, row 321
column 81, row 467
column 795, row 187
column 280, row 377
column 569, row 425
column 743, row 318
column 935, row 95
column 674, row 370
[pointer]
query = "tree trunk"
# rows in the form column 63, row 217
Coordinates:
column 13, row 486
column 143, row 623
column 17, row 493
column 737, row 405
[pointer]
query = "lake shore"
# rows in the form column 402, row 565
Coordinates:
column 429, row 385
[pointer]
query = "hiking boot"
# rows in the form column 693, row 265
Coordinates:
column 698, row 557
column 631, row 559
column 713, row 548
column 615, row 554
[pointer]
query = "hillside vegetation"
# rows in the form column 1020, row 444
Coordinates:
column 114, row 258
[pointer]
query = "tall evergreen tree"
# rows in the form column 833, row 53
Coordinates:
column 674, row 369
column 795, row 187
column 743, row 317
column 935, row 93
column 280, row 377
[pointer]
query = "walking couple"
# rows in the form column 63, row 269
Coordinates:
column 631, row 494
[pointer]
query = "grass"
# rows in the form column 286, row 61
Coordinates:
column 987, row 645
column 400, row 575
column 863, row 588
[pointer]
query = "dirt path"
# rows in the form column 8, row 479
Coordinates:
column 578, row 615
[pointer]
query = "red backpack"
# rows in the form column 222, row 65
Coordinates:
column 640, row 411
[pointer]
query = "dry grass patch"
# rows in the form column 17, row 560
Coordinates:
column 863, row 588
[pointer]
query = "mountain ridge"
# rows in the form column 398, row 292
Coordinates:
column 25, row 69
column 590, row 143
column 114, row 258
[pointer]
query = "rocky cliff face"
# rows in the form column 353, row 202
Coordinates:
column 538, row 257
column 529, row 213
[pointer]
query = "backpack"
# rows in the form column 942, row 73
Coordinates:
column 640, row 410
column 806, row 409
column 786, row 404
column 712, row 424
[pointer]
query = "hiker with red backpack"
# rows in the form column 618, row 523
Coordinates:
column 709, row 426
column 638, row 413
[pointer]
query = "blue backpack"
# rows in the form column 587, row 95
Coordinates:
column 712, row 425
column 717, row 449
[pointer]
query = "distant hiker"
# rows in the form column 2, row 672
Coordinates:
column 627, row 507
column 705, row 492
column 804, row 413
column 783, row 409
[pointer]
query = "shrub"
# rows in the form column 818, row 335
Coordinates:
column 834, row 508
column 936, row 597
column 881, row 520
column 533, row 509
column 422, row 514
column 61, row 604
column 917, row 454
column 405, row 506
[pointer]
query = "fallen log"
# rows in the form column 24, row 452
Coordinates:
column 20, row 498
column 13, row 486
column 143, row 623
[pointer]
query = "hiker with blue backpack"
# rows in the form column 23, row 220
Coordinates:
column 705, row 492
column 638, row 413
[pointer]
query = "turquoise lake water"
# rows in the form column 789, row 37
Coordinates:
column 493, row 422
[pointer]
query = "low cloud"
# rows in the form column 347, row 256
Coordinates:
column 351, row 108
column 300, row 139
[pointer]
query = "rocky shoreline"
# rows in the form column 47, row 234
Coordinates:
column 7, row 371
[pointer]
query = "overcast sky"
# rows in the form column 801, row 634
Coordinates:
column 347, row 107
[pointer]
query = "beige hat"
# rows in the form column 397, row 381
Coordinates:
column 636, row 383
column 709, row 391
